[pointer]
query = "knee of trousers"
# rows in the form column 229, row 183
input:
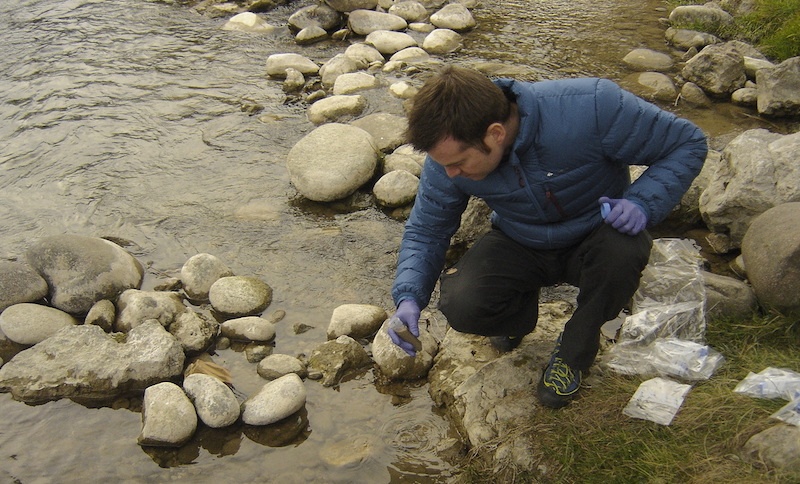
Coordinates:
column 627, row 253
column 462, row 307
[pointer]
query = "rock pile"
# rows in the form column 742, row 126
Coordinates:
column 713, row 69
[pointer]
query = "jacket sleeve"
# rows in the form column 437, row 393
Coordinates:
column 636, row 132
column 434, row 219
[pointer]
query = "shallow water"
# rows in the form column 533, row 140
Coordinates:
column 124, row 118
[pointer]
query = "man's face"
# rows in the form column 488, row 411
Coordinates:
column 460, row 159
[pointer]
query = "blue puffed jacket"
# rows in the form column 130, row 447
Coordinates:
column 576, row 140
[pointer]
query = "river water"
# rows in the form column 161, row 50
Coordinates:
column 125, row 119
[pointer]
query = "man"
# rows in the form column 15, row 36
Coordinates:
column 552, row 160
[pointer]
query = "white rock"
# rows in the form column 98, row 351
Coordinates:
column 400, row 161
column 355, row 320
column 277, row 365
column 396, row 363
column 310, row 35
column 403, row 90
column 388, row 42
column 249, row 22
column 410, row 11
column 334, row 108
column 442, row 41
column 278, row 63
column 135, row 307
column 387, row 130
column 29, row 324
column 648, row 60
column 168, row 417
column 364, row 22
column 410, row 55
column 275, row 401
column 248, row 328
column 453, row 16
column 195, row 331
column 354, row 82
column 240, row 295
column 332, row 162
column 396, row 188
column 200, row 271
column 335, row 67
column 214, row 401
column 363, row 54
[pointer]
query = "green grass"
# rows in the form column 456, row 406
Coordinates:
column 592, row 441
column 773, row 27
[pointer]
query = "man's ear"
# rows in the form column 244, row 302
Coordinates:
column 495, row 135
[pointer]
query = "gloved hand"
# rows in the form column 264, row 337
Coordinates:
column 625, row 216
column 407, row 312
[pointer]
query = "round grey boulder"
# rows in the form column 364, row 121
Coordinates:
column 29, row 324
column 442, row 41
column 396, row 188
column 454, row 16
column 356, row 320
column 275, row 366
column 275, row 401
column 168, row 416
column 248, row 328
column 102, row 314
column 278, row 63
column 200, row 272
column 240, row 295
column 83, row 270
column 214, row 401
column 19, row 283
column 771, row 252
column 135, row 307
column 648, row 60
column 332, row 162
column 320, row 15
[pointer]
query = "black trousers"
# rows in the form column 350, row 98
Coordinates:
column 493, row 290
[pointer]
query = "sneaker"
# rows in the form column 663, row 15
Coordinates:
column 559, row 382
column 504, row 344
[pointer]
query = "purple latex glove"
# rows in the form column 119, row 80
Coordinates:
column 624, row 215
column 407, row 312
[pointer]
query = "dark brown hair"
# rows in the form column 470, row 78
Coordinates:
column 457, row 102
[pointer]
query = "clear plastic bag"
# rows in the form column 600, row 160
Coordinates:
column 789, row 413
column 665, row 334
column 683, row 320
column 666, row 357
column 672, row 275
column 770, row 383
column 657, row 400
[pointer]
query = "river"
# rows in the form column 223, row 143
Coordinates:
column 125, row 119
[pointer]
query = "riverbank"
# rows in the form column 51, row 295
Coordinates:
column 172, row 146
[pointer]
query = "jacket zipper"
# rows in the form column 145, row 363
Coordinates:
column 520, row 178
column 552, row 199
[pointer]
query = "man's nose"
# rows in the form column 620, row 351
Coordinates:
column 452, row 171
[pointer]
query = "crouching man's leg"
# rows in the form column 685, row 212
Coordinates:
column 493, row 291
column 606, row 268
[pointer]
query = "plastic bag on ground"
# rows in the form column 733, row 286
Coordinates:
column 657, row 400
column 683, row 320
column 789, row 413
column 666, row 357
column 770, row 383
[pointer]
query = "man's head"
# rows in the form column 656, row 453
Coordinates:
column 457, row 103
column 463, row 121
